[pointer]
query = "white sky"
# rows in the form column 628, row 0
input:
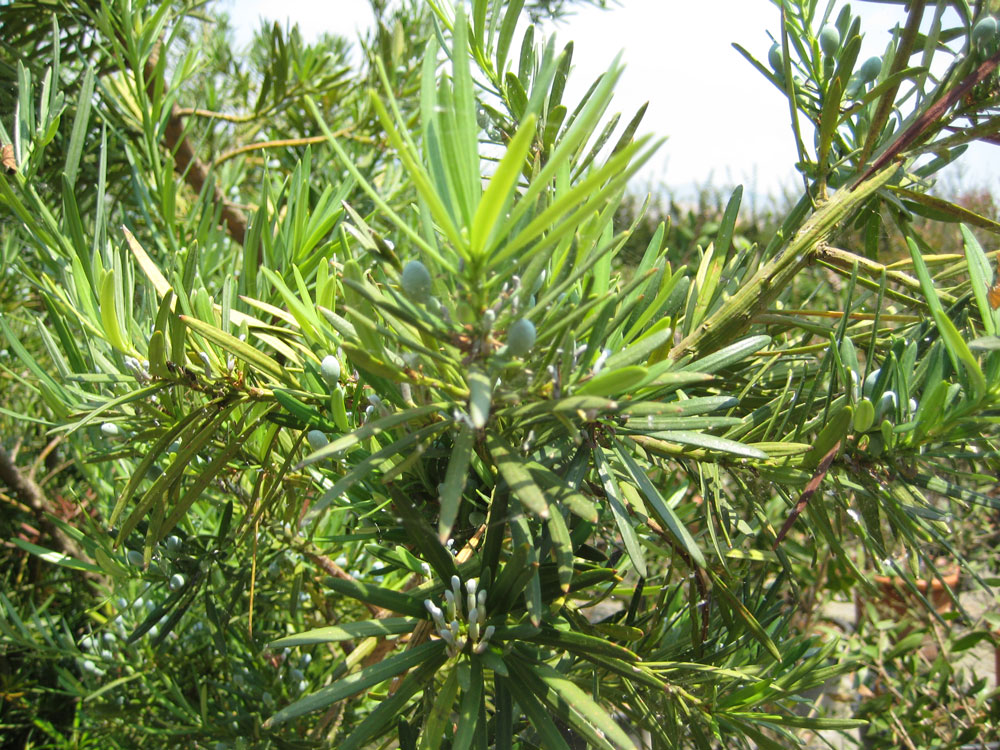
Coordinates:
column 724, row 122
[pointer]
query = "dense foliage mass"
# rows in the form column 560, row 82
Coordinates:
column 343, row 406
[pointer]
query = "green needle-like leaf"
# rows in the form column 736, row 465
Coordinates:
column 355, row 683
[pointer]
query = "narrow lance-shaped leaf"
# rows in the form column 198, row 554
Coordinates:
column 659, row 506
column 422, row 533
column 346, row 632
column 517, row 477
column 498, row 193
column 371, row 429
column 981, row 277
column 240, row 349
column 355, row 683
column 622, row 520
column 745, row 615
column 573, row 705
column 439, row 717
column 455, row 479
column 953, row 340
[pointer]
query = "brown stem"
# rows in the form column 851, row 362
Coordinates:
column 195, row 112
column 807, row 493
column 925, row 122
column 195, row 173
column 30, row 494
column 331, row 568
column 187, row 163
column 283, row 143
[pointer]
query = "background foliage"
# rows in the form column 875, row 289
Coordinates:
column 356, row 403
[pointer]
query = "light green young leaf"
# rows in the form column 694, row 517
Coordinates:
column 439, row 717
column 497, row 195
column 953, row 340
column 238, row 348
column 981, row 277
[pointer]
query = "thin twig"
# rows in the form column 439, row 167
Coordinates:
column 187, row 163
column 286, row 142
column 30, row 494
column 193, row 112
column 808, row 492
column 925, row 122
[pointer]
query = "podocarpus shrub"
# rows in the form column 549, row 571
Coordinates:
column 374, row 426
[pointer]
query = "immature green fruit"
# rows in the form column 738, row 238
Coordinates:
column 176, row 582
column 829, row 40
column 870, row 69
column 864, row 416
column 416, row 281
column 330, row 369
column 316, row 439
column 520, row 337
column 869, row 387
column 984, row 35
column 134, row 557
column 774, row 58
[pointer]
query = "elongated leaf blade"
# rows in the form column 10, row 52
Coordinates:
column 659, row 506
column 358, row 681
column 349, row 631
column 622, row 520
column 517, row 476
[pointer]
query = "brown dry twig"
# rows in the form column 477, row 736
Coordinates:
column 187, row 163
column 31, row 495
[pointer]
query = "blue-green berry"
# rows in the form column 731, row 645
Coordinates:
column 870, row 69
column 829, row 40
column 416, row 280
column 330, row 369
column 984, row 35
column 317, row 439
column 774, row 58
column 521, row 337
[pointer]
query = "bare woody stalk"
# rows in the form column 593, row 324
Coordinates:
column 187, row 163
column 736, row 315
column 25, row 489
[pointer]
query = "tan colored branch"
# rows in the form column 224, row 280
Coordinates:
column 195, row 172
column 283, row 143
column 239, row 119
column 24, row 488
column 187, row 163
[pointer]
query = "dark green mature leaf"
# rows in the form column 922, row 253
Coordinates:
column 378, row 596
column 385, row 714
column 517, row 476
column 358, row 681
column 622, row 519
column 337, row 633
column 659, row 506
column 422, row 533
column 572, row 704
